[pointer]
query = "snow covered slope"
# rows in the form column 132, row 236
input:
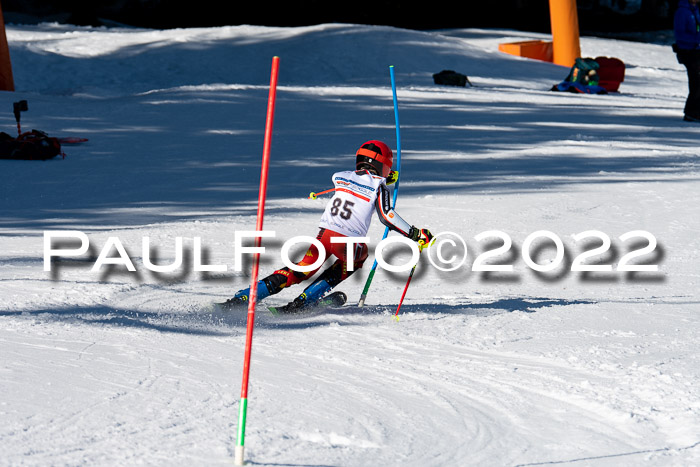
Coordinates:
column 521, row 367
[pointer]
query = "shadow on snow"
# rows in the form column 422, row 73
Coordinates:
column 203, row 159
column 210, row 322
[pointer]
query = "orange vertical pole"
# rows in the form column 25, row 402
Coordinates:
column 565, row 36
column 6, row 81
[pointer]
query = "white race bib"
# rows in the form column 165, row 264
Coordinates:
column 350, row 210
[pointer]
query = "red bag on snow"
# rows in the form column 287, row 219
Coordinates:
column 611, row 73
column 32, row 145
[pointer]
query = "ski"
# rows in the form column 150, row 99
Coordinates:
column 227, row 307
column 23, row 106
column 71, row 140
column 333, row 300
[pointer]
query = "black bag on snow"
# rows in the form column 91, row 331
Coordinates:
column 32, row 145
column 451, row 78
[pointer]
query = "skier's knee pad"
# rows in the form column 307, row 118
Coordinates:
column 277, row 280
column 284, row 278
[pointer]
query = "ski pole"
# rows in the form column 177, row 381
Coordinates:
column 396, row 315
column 18, row 108
column 410, row 276
column 314, row 195
column 363, row 296
column 393, row 177
column 243, row 406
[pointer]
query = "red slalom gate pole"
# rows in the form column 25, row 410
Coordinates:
column 243, row 406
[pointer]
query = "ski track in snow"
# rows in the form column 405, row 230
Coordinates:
column 524, row 368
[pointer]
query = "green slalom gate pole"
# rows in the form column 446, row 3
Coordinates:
column 363, row 296
column 243, row 406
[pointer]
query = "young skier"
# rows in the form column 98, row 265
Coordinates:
column 348, row 214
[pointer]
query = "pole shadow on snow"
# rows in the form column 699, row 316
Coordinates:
column 277, row 464
column 603, row 457
column 285, row 464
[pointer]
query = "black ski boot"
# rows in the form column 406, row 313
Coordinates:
column 302, row 304
column 234, row 303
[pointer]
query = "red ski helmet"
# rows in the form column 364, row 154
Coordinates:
column 375, row 155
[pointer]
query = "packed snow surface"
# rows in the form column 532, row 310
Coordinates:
column 539, row 365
